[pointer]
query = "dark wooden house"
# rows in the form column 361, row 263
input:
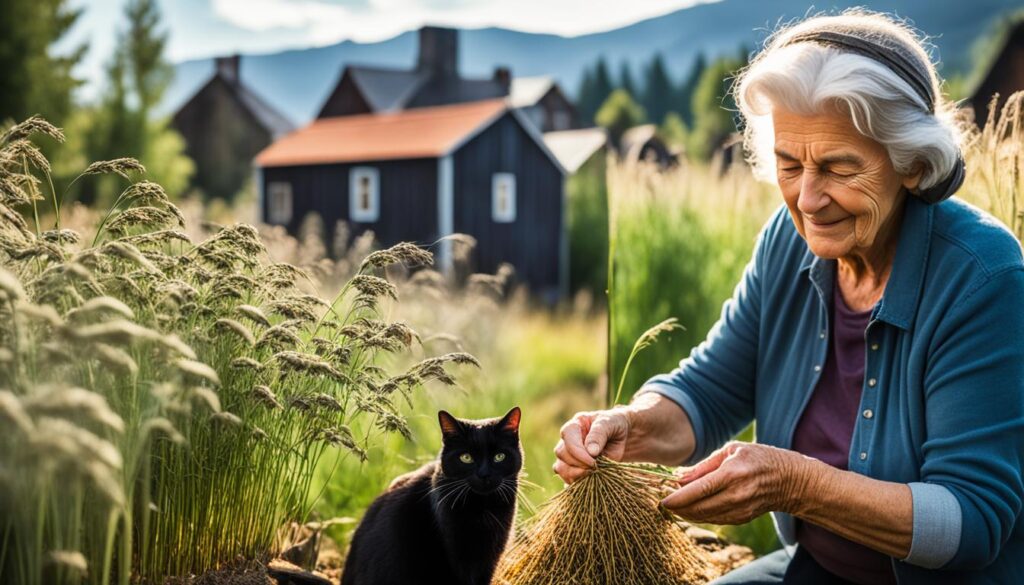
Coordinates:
column 417, row 175
column 1005, row 74
column 544, row 103
column 224, row 125
column 434, row 81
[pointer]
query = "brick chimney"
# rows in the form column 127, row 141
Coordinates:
column 439, row 50
column 503, row 77
column 227, row 68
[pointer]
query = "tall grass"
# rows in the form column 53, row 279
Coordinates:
column 166, row 403
column 679, row 242
column 995, row 164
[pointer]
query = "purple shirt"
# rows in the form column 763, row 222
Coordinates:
column 825, row 431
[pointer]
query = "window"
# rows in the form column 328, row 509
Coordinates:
column 279, row 203
column 364, row 194
column 503, row 197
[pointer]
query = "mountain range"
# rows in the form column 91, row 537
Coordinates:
column 297, row 81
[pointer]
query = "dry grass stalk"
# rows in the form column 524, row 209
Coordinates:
column 607, row 529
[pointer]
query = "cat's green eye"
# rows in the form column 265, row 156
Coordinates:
column 499, row 457
column 466, row 458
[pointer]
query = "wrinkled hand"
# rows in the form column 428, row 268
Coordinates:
column 588, row 435
column 738, row 483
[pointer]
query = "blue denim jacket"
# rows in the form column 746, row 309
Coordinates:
column 943, row 397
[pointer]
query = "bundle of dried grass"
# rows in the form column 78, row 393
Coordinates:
column 607, row 529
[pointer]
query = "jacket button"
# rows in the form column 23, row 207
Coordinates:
column 868, row 413
column 817, row 368
column 822, row 335
column 863, row 455
column 872, row 382
column 874, row 347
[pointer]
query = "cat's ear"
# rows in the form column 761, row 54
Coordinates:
column 450, row 426
column 510, row 422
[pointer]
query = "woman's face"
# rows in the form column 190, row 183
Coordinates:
column 840, row 186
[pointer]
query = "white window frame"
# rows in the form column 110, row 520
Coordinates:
column 509, row 214
column 355, row 212
column 280, row 202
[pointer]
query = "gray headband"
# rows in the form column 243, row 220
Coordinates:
column 909, row 68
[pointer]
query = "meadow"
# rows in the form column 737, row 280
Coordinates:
column 176, row 390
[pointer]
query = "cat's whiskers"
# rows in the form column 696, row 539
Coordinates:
column 507, row 490
column 457, row 489
column 463, row 495
column 442, row 490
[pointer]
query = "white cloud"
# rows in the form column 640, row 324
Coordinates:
column 372, row 20
column 264, row 15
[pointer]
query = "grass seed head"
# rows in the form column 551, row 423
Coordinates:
column 71, row 560
column 33, row 125
column 254, row 314
column 237, row 328
column 102, row 304
column 14, row 413
column 71, row 403
column 197, row 369
column 265, row 396
column 117, row 166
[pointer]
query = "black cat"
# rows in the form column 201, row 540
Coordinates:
column 449, row 521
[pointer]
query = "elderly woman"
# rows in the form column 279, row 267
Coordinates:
column 876, row 337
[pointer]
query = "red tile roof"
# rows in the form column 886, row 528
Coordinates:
column 418, row 133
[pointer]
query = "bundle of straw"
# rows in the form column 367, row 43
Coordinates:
column 607, row 528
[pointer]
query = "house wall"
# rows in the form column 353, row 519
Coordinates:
column 554, row 102
column 1005, row 77
column 345, row 100
column 221, row 137
column 408, row 198
column 533, row 242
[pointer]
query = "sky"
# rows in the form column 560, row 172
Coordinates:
column 202, row 28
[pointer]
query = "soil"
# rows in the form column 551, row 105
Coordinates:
column 243, row 573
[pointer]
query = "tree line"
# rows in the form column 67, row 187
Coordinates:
column 40, row 79
column 695, row 113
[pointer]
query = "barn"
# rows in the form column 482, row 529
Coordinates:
column 478, row 168
column 224, row 125
column 1005, row 74
column 544, row 103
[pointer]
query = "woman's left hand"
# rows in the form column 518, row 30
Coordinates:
column 739, row 482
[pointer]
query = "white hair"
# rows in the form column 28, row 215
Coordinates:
column 807, row 78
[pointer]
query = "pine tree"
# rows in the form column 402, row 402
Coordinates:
column 626, row 80
column 603, row 86
column 713, row 107
column 658, row 90
column 689, row 85
column 33, row 79
column 145, row 44
column 586, row 100
column 137, row 77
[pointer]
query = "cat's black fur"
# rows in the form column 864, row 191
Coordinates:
column 449, row 521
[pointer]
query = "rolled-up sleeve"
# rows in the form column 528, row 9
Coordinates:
column 974, row 411
column 715, row 384
column 938, row 524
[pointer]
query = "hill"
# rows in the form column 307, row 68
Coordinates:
column 298, row 81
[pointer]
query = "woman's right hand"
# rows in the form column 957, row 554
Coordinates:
column 588, row 435
column 651, row 428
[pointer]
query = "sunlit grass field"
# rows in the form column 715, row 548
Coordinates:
column 173, row 395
